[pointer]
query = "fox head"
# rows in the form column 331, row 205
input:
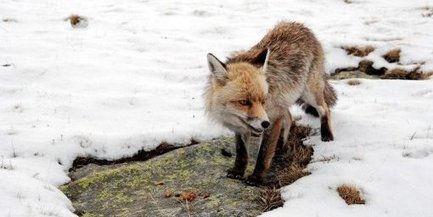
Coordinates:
column 236, row 94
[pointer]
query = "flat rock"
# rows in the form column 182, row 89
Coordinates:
column 162, row 185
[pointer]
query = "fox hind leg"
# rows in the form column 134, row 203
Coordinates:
column 315, row 98
column 285, row 131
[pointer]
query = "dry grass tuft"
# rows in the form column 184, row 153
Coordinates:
column 301, row 155
column 270, row 199
column 392, row 56
column 291, row 159
column 74, row 19
column 399, row 73
column 288, row 165
column 77, row 21
column 350, row 194
column 359, row 51
column 353, row 82
column 291, row 174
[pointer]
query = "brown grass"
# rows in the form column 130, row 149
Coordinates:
column 293, row 158
column 350, row 194
column 288, row 166
column 291, row 174
column 359, row 51
column 353, row 82
column 399, row 73
column 74, row 19
column 392, row 56
column 270, row 199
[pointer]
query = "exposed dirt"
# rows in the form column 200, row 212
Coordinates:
column 139, row 156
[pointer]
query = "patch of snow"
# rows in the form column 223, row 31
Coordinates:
column 134, row 77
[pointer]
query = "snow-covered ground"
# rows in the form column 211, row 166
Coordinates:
column 134, row 78
column 383, row 145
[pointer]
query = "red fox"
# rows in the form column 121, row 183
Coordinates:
column 252, row 91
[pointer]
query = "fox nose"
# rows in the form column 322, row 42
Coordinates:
column 265, row 124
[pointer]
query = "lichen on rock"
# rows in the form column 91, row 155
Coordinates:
column 138, row 188
column 188, row 181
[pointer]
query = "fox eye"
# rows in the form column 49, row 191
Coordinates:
column 244, row 102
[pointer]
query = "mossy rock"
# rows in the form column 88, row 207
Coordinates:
column 352, row 74
column 152, row 187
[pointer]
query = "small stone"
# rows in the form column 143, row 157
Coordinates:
column 168, row 194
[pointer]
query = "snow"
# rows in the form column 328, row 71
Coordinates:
column 135, row 76
column 383, row 145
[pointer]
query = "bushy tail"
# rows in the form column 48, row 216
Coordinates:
column 330, row 99
column 330, row 95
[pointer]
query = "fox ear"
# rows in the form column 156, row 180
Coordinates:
column 262, row 59
column 217, row 68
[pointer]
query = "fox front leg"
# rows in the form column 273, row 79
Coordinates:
column 237, row 172
column 266, row 153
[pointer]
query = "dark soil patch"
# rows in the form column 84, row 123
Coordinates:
column 141, row 155
column 366, row 66
column 364, row 69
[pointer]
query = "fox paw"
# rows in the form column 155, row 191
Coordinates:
column 326, row 134
column 235, row 174
column 254, row 180
column 327, row 138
